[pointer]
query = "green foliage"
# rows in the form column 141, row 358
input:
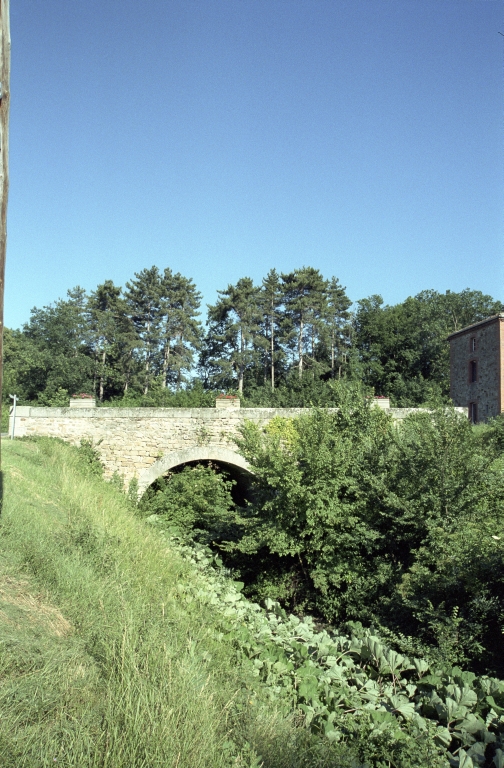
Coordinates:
column 192, row 396
column 117, row 481
column 279, row 343
column 181, row 331
column 154, row 656
column 163, row 309
column 492, row 434
column 54, row 399
column 449, row 504
column 61, row 338
column 234, row 320
column 293, row 392
column 133, row 492
column 355, row 519
column 402, row 349
column 103, row 660
column 295, row 322
column 89, row 459
column 51, row 354
column 354, row 690
column 112, row 339
column 107, row 342
column 24, row 366
column 313, row 500
column 195, row 502
column 5, row 417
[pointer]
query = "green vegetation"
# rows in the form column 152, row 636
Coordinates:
column 5, row 418
column 121, row 645
column 194, row 504
column 377, row 550
column 282, row 342
column 387, row 709
column 402, row 349
column 104, row 661
column 354, row 519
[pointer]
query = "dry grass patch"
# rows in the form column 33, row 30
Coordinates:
column 18, row 606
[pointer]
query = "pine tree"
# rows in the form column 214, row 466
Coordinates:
column 234, row 324
column 305, row 293
column 336, row 320
column 181, row 330
column 113, row 338
column 271, row 300
column 143, row 297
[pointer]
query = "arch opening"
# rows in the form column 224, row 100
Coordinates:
column 240, row 491
column 224, row 459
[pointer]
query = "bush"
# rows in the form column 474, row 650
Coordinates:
column 195, row 503
column 192, row 396
column 90, row 462
column 397, row 526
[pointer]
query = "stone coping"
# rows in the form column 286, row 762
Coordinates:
column 33, row 412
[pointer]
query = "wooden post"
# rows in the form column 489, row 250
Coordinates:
column 5, row 51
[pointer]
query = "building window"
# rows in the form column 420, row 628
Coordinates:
column 473, row 371
column 472, row 344
column 473, row 413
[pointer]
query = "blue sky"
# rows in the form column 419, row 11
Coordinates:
column 223, row 138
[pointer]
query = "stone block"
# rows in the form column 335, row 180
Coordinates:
column 85, row 402
column 227, row 401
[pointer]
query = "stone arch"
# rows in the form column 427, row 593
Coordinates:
column 175, row 458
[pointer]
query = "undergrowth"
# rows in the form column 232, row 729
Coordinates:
column 121, row 647
column 103, row 660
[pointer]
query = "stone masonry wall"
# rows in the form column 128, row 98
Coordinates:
column 486, row 390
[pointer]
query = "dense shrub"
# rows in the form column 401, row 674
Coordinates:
column 195, row 502
column 401, row 526
column 354, row 518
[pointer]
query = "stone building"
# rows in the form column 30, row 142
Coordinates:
column 477, row 368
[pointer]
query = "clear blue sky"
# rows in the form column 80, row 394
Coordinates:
column 226, row 137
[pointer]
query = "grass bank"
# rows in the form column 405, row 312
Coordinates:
column 102, row 660
column 122, row 648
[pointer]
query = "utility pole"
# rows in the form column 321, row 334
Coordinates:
column 5, row 52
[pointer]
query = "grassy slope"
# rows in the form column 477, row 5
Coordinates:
column 101, row 661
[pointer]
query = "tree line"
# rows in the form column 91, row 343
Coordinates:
column 279, row 342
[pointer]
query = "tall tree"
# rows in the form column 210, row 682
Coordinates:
column 112, row 337
column 336, row 319
column 61, row 334
column 181, row 329
column 143, row 297
column 233, row 324
column 24, row 366
column 402, row 348
column 305, row 297
column 271, row 299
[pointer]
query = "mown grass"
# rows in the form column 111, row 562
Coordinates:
column 101, row 661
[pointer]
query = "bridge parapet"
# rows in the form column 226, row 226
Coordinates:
column 140, row 442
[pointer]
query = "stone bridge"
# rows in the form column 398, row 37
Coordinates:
column 148, row 442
